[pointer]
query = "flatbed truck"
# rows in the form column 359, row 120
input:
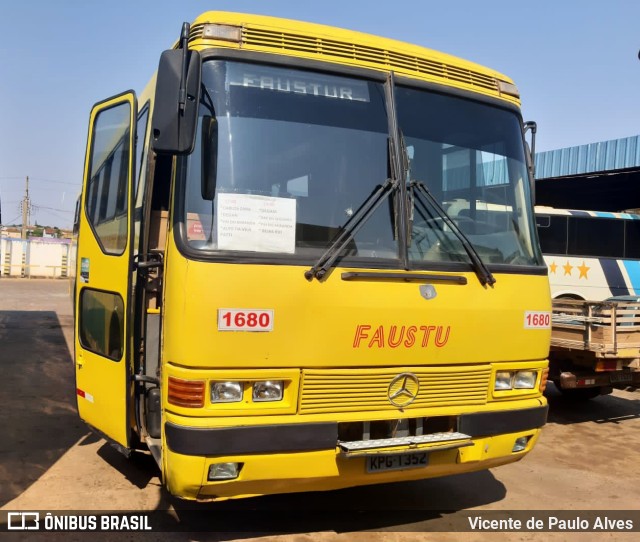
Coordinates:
column 595, row 346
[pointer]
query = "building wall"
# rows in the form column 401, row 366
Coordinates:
column 46, row 258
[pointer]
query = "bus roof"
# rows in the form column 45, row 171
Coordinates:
column 326, row 43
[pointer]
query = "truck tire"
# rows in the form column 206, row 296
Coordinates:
column 580, row 394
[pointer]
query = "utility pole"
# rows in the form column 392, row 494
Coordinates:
column 26, row 211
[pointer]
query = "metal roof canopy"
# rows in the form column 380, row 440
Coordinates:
column 603, row 176
column 594, row 157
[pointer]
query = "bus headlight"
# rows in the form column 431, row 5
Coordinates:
column 226, row 392
column 515, row 380
column 525, row 380
column 270, row 390
column 503, row 380
column 520, row 444
column 224, row 471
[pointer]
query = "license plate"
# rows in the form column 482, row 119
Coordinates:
column 621, row 377
column 380, row 463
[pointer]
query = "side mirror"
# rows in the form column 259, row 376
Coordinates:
column 175, row 111
column 209, row 153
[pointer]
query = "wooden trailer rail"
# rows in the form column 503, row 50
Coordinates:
column 610, row 329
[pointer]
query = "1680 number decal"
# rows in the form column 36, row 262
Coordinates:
column 245, row 320
column 537, row 320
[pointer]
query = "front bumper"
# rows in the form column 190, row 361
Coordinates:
column 308, row 457
column 262, row 439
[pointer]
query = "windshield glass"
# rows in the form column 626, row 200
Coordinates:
column 297, row 153
column 471, row 159
column 285, row 157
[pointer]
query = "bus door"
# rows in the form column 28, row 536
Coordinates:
column 104, row 263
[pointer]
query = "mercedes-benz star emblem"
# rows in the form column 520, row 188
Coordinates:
column 403, row 389
column 428, row 291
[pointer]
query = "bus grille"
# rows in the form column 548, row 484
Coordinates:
column 336, row 50
column 365, row 390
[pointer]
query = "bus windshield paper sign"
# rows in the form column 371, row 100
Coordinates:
column 256, row 223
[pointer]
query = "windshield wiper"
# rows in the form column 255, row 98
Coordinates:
column 350, row 229
column 480, row 268
column 396, row 183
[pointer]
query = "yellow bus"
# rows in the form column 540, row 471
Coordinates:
column 270, row 294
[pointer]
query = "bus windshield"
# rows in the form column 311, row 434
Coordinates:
column 286, row 156
column 470, row 157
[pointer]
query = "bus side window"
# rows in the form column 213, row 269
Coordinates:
column 600, row 237
column 161, row 189
column 552, row 231
column 107, row 204
column 102, row 323
column 115, row 332
column 141, row 150
column 632, row 239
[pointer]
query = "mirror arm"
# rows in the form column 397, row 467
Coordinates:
column 533, row 128
column 184, row 45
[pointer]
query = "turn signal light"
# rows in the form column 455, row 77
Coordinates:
column 186, row 393
column 543, row 379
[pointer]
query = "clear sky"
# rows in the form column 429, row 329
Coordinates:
column 575, row 63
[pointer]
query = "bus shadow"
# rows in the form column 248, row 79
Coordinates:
column 140, row 469
column 425, row 505
column 40, row 422
column 604, row 409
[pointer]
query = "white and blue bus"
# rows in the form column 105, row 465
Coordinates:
column 591, row 255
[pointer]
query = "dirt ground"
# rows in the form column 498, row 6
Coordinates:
column 588, row 459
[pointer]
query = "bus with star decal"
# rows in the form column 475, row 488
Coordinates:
column 591, row 255
column 594, row 273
